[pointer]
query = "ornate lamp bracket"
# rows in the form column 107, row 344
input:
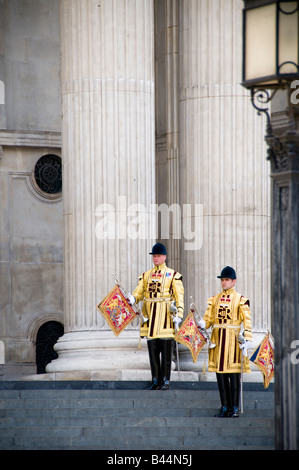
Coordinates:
column 277, row 151
column 260, row 99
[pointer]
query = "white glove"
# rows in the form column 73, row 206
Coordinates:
column 176, row 321
column 202, row 324
column 131, row 299
column 245, row 346
column 144, row 319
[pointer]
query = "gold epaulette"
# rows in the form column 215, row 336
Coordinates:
column 178, row 276
column 244, row 301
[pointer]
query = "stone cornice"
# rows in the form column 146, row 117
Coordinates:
column 13, row 138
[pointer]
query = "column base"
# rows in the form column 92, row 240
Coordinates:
column 109, row 375
column 99, row 355
column 99, row 351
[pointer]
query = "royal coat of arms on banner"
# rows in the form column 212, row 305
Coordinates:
column 263, row 357
column 116, row 310
column 190, row 335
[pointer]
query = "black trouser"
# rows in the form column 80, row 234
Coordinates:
column 160, row 366
column 229, row 389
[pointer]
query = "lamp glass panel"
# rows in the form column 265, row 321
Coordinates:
column 260, row 42
column 288, row 38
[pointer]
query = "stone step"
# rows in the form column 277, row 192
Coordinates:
column 108, row 416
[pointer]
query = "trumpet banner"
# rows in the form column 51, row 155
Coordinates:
column 263, row 357
column 116, row 310
column 190, row 335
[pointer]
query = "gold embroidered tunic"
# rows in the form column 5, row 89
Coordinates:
column 225, row 314
column 157, row 288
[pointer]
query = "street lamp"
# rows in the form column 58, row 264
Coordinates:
column 270, row 43
column 270, row 49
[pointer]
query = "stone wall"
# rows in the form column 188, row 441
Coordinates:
column 31, row 232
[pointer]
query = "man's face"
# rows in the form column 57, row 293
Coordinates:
column 159, row 259
column 227, row 283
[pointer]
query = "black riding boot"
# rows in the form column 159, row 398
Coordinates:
column 166, row 360
column 224, row 392
column 153, row 347
column 235, row 394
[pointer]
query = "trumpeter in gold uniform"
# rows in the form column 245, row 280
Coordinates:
column 225, row 314
column 157, row 288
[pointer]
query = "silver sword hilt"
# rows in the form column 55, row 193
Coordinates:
column 125, row 294
column 198, row 318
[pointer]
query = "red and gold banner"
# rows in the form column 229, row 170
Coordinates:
column 190, row 335
column 116, row 310
column 263, row 357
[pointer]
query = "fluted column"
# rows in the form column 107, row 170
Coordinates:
column 167, row 124
column 222, row 160
column 109, row 186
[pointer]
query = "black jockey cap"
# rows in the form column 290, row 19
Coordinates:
column 228, row 272
column 158, row 249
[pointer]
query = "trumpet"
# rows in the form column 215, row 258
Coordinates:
column 198, row 318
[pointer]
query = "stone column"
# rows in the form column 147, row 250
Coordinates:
column 167, row 125
column 107, row 80
column 283, row 141
column 222, row 162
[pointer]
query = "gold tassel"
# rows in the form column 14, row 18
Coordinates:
column 139, row 345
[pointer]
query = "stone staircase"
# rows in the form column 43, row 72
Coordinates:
column 123, row 416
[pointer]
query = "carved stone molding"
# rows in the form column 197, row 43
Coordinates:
column 283, row 153
column 277, row 154
column 33, row 188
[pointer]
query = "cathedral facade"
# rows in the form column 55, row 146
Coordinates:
column 122, row 122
